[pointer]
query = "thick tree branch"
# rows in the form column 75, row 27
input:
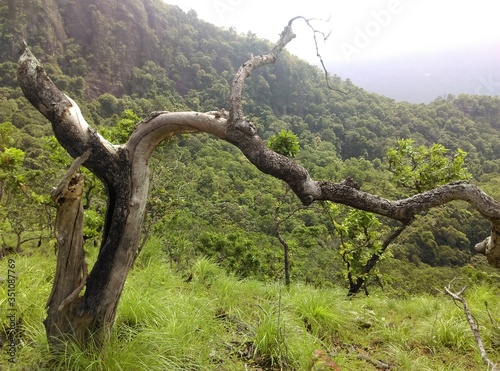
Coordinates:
column 161, row 125
column 69, row 126
column 405, row 209
column 68, row 123
column 235, row 99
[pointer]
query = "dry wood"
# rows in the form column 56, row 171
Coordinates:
column 71, row 268
column 473, row 325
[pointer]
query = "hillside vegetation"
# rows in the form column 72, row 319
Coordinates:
column 215, row 321
column 211, row 269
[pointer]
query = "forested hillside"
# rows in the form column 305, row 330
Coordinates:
column 221, row 239
column 122, row 60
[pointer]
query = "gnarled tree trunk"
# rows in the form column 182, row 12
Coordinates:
column 124, row 171
column 71, row 268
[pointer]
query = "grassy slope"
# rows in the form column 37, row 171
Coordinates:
column 213, row 321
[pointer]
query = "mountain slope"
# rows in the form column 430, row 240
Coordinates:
column 145, row 49
column 111, row 36
column 143, row 55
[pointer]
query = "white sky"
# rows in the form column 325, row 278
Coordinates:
column 362, row 30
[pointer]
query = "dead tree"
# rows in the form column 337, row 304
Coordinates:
column 124, row 171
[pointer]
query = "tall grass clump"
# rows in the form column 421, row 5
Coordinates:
column 153, row 251
column 205, row 271
column 280, row 341
column 322, row 312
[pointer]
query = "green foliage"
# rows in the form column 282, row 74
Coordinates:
column 234, row 251
column 360, row 233
column 285, row 143
column 6, row 131
column 125, row 125
column 93, row 222
column 360, row 236
column 420, row 168
column 24, row 214
column 10, row 159
column 57, row 153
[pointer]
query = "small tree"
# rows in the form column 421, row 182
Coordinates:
column 419, row 169
column 24, row 214
column 285, row 143
column 416, row 169
column 360, row 235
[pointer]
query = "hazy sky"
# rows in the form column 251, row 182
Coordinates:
column 362, row 30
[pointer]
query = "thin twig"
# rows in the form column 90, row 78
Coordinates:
column 318, row 54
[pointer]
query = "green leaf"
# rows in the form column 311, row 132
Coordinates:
column 285, row 143
column 11, row 158
column 420, row 168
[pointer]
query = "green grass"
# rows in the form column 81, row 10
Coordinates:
column 206, row 319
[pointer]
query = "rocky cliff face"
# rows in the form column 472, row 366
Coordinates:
column 112, row 36
column 38, row 22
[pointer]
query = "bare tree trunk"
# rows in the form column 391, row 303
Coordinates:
column 286, row 256
column 63, row 322
column 125, row 174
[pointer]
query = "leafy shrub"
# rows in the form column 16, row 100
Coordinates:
column 285, row 143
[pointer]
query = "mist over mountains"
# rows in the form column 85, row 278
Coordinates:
column 423, row 78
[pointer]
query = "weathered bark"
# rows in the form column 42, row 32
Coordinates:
column 71, row 269
column 124, row 171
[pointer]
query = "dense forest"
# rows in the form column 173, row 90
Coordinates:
column 121, row 60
